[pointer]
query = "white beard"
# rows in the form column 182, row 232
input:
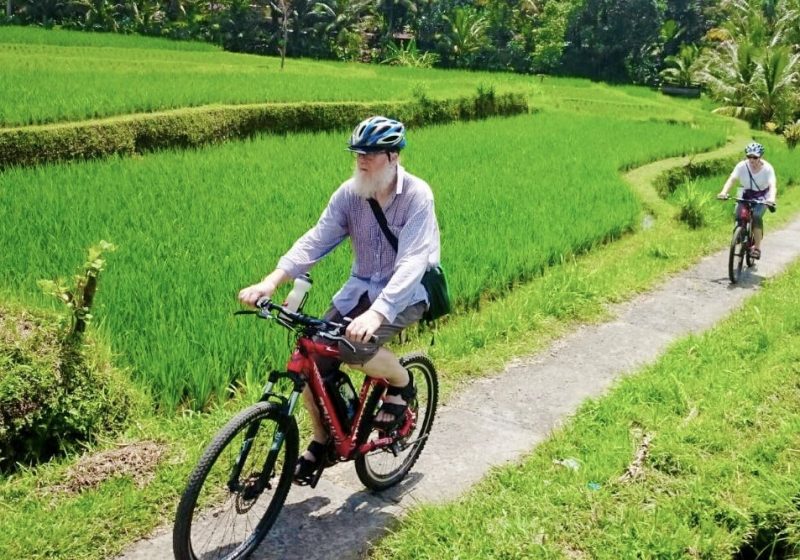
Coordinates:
column 367, row 185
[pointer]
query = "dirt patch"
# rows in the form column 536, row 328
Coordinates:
column 137, row 460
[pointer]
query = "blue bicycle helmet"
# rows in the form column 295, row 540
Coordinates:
column 754, row 149
column 377, row 134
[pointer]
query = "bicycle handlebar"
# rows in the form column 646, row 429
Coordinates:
column 750, row 201
column 312, row 326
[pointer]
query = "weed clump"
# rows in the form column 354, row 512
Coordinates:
column 693, row 205
column 792, row 134
column 57, row 385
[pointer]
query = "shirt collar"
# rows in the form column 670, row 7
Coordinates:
column 401, row 175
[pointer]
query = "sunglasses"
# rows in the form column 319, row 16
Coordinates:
column 753, row 157
column 370, row 155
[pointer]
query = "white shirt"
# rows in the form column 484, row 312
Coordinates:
column 762, row 181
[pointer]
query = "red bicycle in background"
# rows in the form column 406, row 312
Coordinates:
column 237, row 489
column 742, row 240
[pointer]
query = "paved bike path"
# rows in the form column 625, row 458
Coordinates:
column 497, row 420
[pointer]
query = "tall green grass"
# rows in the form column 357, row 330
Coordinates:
column 51, row 76
column 78, row 75
column 192, row 228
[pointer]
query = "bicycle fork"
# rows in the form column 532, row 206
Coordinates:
column 277, row 442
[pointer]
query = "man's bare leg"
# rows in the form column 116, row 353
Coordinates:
column 385, row 365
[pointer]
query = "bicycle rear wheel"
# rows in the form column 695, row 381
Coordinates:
column 383, row 468
column 736, row 254
column 228, row 506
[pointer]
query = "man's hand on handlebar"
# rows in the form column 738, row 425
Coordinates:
column 723, row 196
column 364, row 326
column 251, row 294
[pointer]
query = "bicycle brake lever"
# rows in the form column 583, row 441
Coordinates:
column 245, row 312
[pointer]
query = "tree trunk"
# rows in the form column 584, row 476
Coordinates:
column 9, row 8
column 285, row 6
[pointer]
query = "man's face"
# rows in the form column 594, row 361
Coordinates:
column 373, row 172
column 372, row 162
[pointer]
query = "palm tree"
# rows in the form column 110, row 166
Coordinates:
column 682, row 66
column 466, row 34
column 97, row 14
column 340, row 21
column 758, row 85
column 777, row 81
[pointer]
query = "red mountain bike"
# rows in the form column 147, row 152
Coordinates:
column 742, row 240
column 237, row 489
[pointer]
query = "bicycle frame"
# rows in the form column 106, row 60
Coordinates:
column 744, row 217
column 303, row 371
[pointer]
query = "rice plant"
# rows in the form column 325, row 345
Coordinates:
column 51, row 76
column 193, row 227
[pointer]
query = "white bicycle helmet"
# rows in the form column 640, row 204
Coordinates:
column 377, row 134
column 754, row 149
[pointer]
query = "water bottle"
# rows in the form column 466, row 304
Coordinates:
column 342, row 394
column 297, row 297
column 345, row 388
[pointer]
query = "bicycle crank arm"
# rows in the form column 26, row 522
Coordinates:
column 414, row 442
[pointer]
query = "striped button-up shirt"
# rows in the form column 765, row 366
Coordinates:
column 391, row 280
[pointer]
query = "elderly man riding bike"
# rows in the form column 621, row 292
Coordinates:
column 383, row 294
column 757, row 182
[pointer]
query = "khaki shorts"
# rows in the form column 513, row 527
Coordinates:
column 366, row 350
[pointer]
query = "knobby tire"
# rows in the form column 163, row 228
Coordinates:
column 736, row 254
column 255, row 512
column 370, row 467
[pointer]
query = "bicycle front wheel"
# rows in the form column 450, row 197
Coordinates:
column 236, row 491
column 383, row 468
column 736, row 254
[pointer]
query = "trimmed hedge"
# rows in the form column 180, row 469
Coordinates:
column 670, row 180
column 52, row 394
column 191, row 127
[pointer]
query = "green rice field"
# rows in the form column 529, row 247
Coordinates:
column 193, row 227
column 53, row 76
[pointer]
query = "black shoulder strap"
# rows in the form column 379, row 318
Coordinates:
column 379, row 215
column 757, row 187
